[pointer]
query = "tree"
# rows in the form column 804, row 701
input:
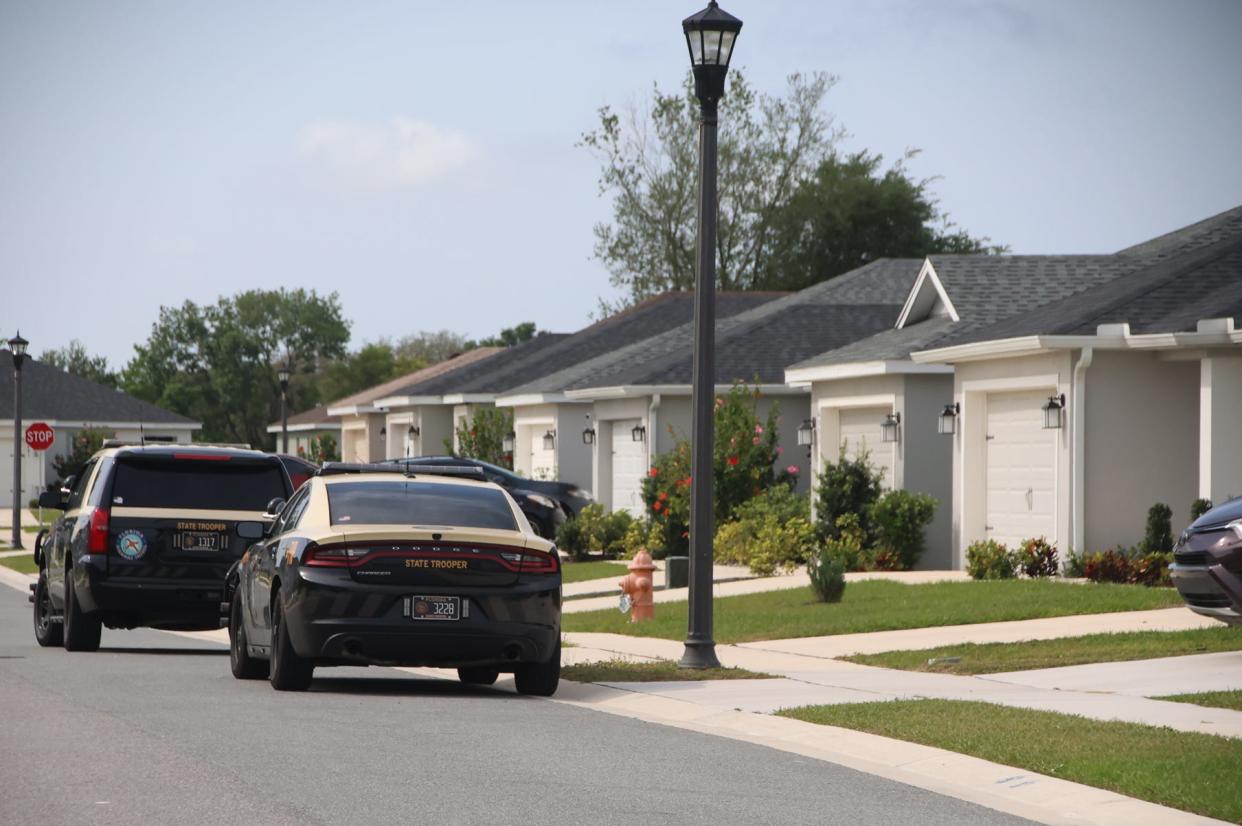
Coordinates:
column 373, row 364
column 508, row 337
column 85, row 444
column 850, row 212
column 767, row 145
column 482, row 436
column 431, row 347
column 785, row 194
column 218, row 363
column 73, row 358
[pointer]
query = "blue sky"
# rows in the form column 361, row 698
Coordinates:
column 419, row 158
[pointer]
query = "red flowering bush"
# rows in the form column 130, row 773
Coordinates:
column 743, row 462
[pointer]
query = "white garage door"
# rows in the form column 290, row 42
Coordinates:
column 1021, row 469
column 860, row 431
column 542, row 462
column 629, row 463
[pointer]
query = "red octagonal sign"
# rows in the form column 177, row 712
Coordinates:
column 39, row 436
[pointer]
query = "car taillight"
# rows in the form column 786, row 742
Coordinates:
column 530, row 562
column 334, row 556
column 97, row 535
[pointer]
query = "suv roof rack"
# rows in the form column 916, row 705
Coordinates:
column 457, row 471
column 160, row 441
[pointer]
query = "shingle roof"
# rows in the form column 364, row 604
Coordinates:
column 316, row 415
column 491, row 376
column 470, row 358
column 50, row 393
column 760, row 342
column 1227, row 224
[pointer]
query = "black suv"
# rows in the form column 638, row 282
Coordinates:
column 146, row 538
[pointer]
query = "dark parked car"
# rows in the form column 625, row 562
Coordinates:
column 1207, row 563
column 373, row 566
column 546, row 504
column 146, row 538
column 299, row 469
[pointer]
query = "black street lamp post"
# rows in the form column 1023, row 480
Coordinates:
column 17, row 346
column 710, row 35
column 283, row 375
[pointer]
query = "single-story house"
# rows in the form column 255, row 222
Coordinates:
column 305, row 428
column 640, row 394
column 70, row 404
column 553, row 434
column 1073, row 418
column 366, row 435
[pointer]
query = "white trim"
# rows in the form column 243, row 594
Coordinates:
column 82, row 424
column 631, row 391
column 528, row 399
column 926, row 273
column 875, row 400
column 406, row 401
column 468, row 398
column 304, row 427
column 860, row 369
column 1044, row 381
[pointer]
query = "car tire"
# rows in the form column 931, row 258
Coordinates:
column 288, row 672
column 243, row 666
column 539, row 679
column 478, row 676
column 81, row 630
column 48, row 632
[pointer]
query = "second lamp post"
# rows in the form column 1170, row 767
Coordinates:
column 710, row 35
column 283, row 375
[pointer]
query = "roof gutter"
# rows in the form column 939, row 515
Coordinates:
column 653, row 430
column 802, row 376
column 630, row 391
column 1079, row 528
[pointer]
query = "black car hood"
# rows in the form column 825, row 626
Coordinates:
column 1218, row 516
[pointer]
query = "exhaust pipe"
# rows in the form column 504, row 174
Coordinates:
column 512, row 652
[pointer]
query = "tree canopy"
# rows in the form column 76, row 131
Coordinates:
column 73, row 358
column 792, row 209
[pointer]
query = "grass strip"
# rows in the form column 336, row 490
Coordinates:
column 24, row 564
column 878, row 605
column 657, row 671
column 1216, row 699
column 992, row 658
column 583, row 571
column 1173, row 768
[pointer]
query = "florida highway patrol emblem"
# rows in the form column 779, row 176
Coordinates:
column 131, row 544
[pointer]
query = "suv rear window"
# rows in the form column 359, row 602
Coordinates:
column 419, row 503
column 240, row 486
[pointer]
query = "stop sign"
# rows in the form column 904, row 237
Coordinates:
column 39, row 436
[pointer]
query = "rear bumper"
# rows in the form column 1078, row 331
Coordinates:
column 337, row 621
column 131, row 602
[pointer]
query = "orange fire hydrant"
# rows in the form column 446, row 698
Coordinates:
column 637, row 585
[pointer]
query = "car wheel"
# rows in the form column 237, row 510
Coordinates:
column 478, row 676
column 244, row 666
column 289, row 672
column 48, row 631
column 81, row 630
column 539, row 679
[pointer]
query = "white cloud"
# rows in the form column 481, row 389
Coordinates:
column 402, row 154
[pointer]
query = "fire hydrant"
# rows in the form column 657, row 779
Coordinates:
column 637, row 585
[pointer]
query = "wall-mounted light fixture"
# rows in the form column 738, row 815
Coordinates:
column 509, row 442
column 806, row 435
column 638, row 433
column 947, row 422
column 1053, row 411
column 383, row 432
column 588, row 436
column 413, row 432
column 890, row 428
column 549, row 440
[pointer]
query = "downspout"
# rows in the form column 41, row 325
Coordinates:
column 653, row 430
column 1079, row 530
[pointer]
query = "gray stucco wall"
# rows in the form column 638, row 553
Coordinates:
column 929, row 461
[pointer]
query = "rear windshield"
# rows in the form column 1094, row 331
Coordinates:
column 419, row 503
column 197, row 485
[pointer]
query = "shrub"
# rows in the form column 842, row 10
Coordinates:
column 827, row 573
column 1074, row 564
column 848, row 546
column 989, row 559
column 1112, row 565
column 1037, row 558
column 641, row 535
column 594, row 531
column 899, row 518
column 1152, row 569
column 1199, row 507
column 1159, row 536
column 780, row 501
column 765, row 543
column 84, row 445
column 848, row 486
column 482, row 436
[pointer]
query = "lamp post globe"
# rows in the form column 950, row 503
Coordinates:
column 710, row 37
column 17, row 348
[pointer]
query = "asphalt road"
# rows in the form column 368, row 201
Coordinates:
column 154, row 729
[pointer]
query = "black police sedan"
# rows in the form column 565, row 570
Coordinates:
column 368, row 565
column 547, row 504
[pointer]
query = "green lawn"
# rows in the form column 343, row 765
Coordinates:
column 1188, row 771
column 1093, row 648
column 881, row 606
column 24, row 564
column 659, row 671
column 1217, row 699
column 583, row 571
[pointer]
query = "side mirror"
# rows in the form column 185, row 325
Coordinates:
column 52, row 499
column 251, row 530
column 273, row 507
